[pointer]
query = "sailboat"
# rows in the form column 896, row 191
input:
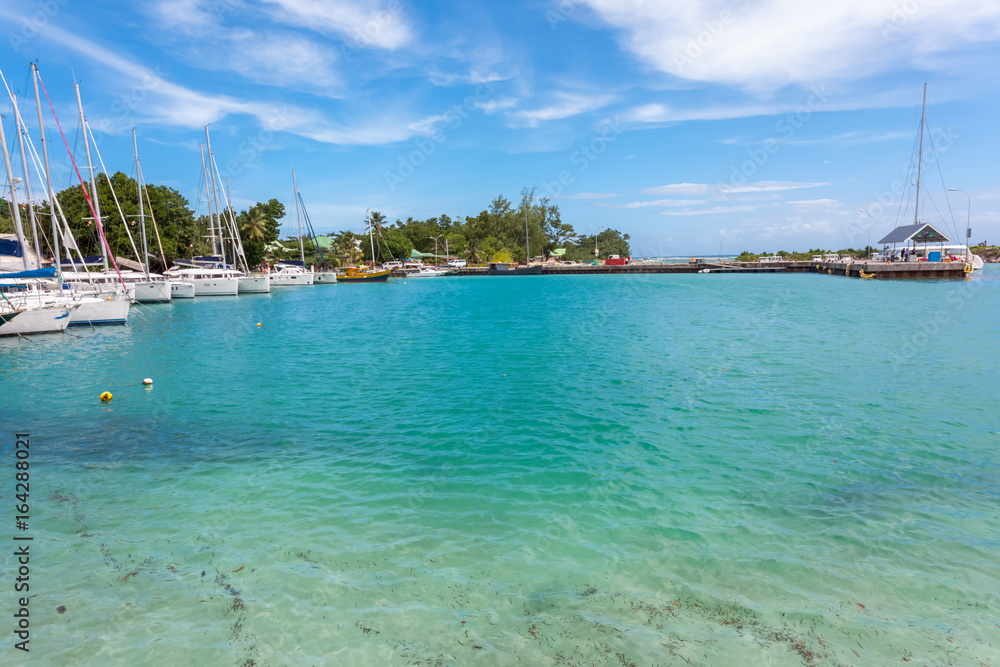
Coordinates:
column 934, row 245
column 291, row 273
column 325, row 275
column 505, row 269
column 366, row 274
column 102, row 298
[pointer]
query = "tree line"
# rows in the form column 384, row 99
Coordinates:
column 497, row 232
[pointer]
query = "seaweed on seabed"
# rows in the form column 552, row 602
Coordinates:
column 738, row 617
column 236, row 632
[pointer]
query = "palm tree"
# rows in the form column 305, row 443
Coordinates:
column 255, row 225
column 472, row 251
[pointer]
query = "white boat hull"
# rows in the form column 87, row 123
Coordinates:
column 94, row 312
column 38, row 320
column 325, row 278
column 292, row 280
column 154, row 291
column 426, row 273
column 254, row 284
column 216, row 286
column 181, row 290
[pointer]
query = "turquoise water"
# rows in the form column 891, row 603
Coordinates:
column 587, row 470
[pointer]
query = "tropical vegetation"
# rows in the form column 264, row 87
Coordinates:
column 497, row 232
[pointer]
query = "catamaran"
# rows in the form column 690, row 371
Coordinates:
column 923, row 241
column 325, row 275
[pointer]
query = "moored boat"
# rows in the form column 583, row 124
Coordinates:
column 290, row 274
column 506, row 269
column 254, row 284
column 360, row 274
column 207, row 282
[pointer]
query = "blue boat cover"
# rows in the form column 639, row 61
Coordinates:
column 35, row 273
column 11, row 248
column 90, row 260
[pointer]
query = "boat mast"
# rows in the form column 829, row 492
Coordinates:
column 527, row 254
column 208, row 198
column 371, row 238
column 215, row 194
column 298, row 217
column 238, row 241
column 142, row 210
column 93, row 181
column 48, row 178
column 920, row 158
column 13, row 197
column 27, row 179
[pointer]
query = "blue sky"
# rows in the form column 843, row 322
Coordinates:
column 692, row 126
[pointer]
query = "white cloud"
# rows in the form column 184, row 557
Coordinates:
column 765, row 45
column 656, row 203
column 492, row 106
column 283, row 59
column 709, row 211
column 568, row 104
column 167, row 103
column 768, row 186
column 824, row 203
column 720, row 189
column 198, row 31
column 473, row 78
column 362, row 23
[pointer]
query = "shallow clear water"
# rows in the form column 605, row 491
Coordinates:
column 658, row 469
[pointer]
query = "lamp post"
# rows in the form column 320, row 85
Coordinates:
column 968, row 223
column 435, row 249
column 869, row 248
column 596, row 233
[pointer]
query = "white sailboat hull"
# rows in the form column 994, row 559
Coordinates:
column 52, row 319
column 154, row 291
column 325, row 278
column 254, row 284
column 291, row 277
column 94, row 312
column 215, row 286
column 181, row 290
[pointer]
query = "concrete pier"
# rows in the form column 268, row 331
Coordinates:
column 857, row 269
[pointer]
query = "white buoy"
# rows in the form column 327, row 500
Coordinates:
column 148, row 381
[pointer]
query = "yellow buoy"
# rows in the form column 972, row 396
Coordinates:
column 147, row 381
column 259, row 325
column 106, row 396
